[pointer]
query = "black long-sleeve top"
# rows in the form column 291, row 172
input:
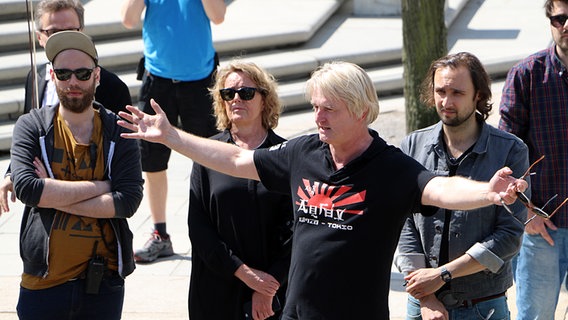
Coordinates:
column 234, row 221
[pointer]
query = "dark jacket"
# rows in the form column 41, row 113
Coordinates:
column 111, row 93
column 33, row 137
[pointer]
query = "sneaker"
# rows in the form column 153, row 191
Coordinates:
column 155, row 247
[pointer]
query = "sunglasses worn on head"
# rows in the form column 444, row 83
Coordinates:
column 245, row 93
column 50, row 32
column 558, row 21
column 82, row 74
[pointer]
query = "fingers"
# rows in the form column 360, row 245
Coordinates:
column 156, row 106
column 4, row 205
column 546, row 236
column 505, row 171
column 550, row 224
column 128, row 126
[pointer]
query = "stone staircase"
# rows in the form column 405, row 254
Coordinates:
column 289, row 38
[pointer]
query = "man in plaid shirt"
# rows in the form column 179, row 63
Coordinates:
column 534, row 106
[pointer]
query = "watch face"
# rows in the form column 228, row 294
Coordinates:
column 445, row 275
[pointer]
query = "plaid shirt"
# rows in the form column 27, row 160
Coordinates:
column 534, row 106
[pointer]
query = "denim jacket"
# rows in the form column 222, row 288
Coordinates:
column 490, row 235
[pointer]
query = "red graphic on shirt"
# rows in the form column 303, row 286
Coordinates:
column 322, row 196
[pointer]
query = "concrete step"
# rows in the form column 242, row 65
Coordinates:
column 374, row 43
column 332, row 41
column 14, row 9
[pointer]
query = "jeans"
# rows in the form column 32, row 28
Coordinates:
column 479, row 311
column 69, row 301
column 540, row 271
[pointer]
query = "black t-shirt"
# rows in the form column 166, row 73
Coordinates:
column 346, row 224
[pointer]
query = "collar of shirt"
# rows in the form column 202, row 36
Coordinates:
column 48, row 68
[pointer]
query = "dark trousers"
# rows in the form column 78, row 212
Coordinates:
column 69, row 301
column 187, row 102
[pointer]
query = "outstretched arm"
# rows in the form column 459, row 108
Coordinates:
column 458, row 193
column 219, row 156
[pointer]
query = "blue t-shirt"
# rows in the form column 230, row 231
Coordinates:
column 177, row 40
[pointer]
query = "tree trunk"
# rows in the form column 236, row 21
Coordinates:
column 424, row 40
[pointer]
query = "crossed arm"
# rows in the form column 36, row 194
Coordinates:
column 83, row 198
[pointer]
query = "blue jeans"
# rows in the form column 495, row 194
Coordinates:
column 479, row 311
column 540, row 271
column 69, row 301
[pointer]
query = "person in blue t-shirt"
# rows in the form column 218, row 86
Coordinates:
column 179, row 63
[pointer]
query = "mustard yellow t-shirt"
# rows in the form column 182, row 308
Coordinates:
column 73, row 238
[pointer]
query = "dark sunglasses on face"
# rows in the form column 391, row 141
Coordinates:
column 245, row 93
column 50, row 32
column 558, row 21
column 82, row 74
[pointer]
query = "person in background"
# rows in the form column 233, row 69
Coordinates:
column 459, row 262
column 240, row 232
column 534, row 108
column 351, row 193
column 53, row 16
column 79, row 181
column 179, row 65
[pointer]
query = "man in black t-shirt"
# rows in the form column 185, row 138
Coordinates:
column 350, row 192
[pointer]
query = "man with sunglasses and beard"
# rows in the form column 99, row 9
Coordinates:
column 457, row 263
column 79, row 182
column 534, row 107
column 53, row 16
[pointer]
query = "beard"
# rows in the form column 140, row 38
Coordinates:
column 458, row 120
column 77, row 105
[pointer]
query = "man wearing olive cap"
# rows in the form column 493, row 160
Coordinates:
column 79, row 181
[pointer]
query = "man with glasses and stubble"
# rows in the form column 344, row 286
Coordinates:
column 534, row 106
column 79, row 181
column 457, row 263
column 53, row 16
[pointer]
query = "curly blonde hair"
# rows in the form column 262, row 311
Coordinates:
column 264, row 81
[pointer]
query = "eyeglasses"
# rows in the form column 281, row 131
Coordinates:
column 50, row 32
column 558, row 21
column 527, row 202
column 245, row 93
column 82, row 74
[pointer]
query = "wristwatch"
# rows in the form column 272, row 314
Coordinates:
column 445, row 275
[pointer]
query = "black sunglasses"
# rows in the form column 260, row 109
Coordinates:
column 245, row 93
column 82, row 74
column 558, row 21
column 50, row 32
